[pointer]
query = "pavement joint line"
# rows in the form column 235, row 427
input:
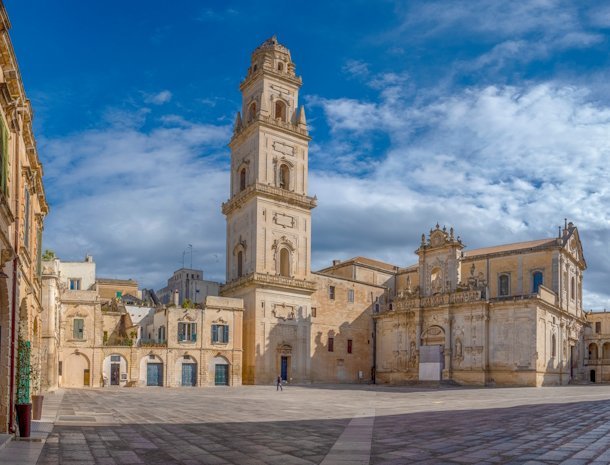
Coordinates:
column 358, row 431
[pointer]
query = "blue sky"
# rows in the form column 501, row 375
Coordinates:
column 492, row 117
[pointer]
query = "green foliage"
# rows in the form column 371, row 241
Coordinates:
column 23, row 371
column 48, row 254
column 187, row 303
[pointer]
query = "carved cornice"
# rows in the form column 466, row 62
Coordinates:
column 269, row 122
column 268, row 192
column 270, row 280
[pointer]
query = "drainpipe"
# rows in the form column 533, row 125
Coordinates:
column 14, row 322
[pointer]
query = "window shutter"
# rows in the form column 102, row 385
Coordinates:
column 75, row 329
column 225, row 330
column 194, row 332
column 214, row 339
column 180, row 331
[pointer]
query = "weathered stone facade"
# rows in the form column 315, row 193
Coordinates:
column 509, row 315
column 106, row 343
column 22, row 211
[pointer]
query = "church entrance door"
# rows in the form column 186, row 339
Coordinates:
column 284, row 368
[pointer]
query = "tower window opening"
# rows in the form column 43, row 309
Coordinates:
column 252, row 112
column 572, row 288
column 240, row 264
column 537, row 279
column 284, row 177
column 280, row 66
column 280, row 110
column 285, row 262
column 242, row 179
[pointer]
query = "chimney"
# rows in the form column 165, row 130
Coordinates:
column 176, row 298
column 336, row 262
column 89, row 258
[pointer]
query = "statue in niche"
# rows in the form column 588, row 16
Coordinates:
column 458, row 348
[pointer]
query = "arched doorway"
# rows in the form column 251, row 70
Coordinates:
column 151, row 370
column 186, row 371
column 76, row 371
column 114, row 370
column 221, row 371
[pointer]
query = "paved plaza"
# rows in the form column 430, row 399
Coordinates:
column 321, row 424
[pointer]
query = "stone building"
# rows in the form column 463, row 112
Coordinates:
column 22, row 211
column 507, row 315
column 190, row 285
column 101, row 341
column 597, row 347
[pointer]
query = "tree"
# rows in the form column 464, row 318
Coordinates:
column 48, row 254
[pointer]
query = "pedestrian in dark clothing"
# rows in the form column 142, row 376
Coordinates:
column 279, row 384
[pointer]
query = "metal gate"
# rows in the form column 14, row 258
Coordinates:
column 154, row 374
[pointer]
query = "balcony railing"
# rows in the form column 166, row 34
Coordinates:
column 272, row 192
column 271, row 280
column 151, row 343
column 277, row 122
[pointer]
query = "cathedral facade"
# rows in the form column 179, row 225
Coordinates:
column 506, row 315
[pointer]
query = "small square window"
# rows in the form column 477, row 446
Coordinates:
column 74, row 284
column 350, row 296
column 331, row 344
column 331, row 292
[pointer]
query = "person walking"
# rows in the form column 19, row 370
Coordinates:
column 279, row 384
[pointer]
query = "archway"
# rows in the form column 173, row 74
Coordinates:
column 221, row 371
column 151, row 370
column 186, row 371
column 76, row 371
column 114, row 370
column 593, row 351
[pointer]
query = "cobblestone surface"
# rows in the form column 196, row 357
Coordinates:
column 331, row 424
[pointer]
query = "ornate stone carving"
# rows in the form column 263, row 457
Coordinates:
column 283, row 312
column 283, row 148
column 286, row 221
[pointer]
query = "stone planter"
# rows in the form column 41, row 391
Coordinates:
column 37, row 407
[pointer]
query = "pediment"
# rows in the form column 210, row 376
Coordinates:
column 573, row 246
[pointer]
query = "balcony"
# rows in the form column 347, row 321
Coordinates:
column 270, row 280
column 273, row 122
column 151, row 343
column 270, row 192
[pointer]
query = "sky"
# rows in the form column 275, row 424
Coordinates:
column 490, row 117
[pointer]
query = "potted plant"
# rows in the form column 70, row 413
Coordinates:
column 23, row 405
column 37, row 397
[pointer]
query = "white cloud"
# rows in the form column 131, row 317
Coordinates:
column 134, row 199
column 499, row 163
column 159, row 98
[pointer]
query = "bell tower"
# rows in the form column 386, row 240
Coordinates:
column 269, row 219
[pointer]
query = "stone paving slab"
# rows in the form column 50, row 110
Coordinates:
column 327, row 424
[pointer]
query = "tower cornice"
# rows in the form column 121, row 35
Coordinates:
column 265, row 73
column 269, row 192
column 247, row 128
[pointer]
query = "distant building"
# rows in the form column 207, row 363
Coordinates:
column 109, row 289
column 190, row 285
column 102, row 337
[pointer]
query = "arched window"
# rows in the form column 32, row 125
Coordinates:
column 240, row 264
column 284, row 262
column 503, row 285
column 572, row 288
column 553, row 346
column 537, row 280
column 593, row 351
column 242, row 179
column 252, row 112
column 280, row 110
column 280, row 66
column 284, row 177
